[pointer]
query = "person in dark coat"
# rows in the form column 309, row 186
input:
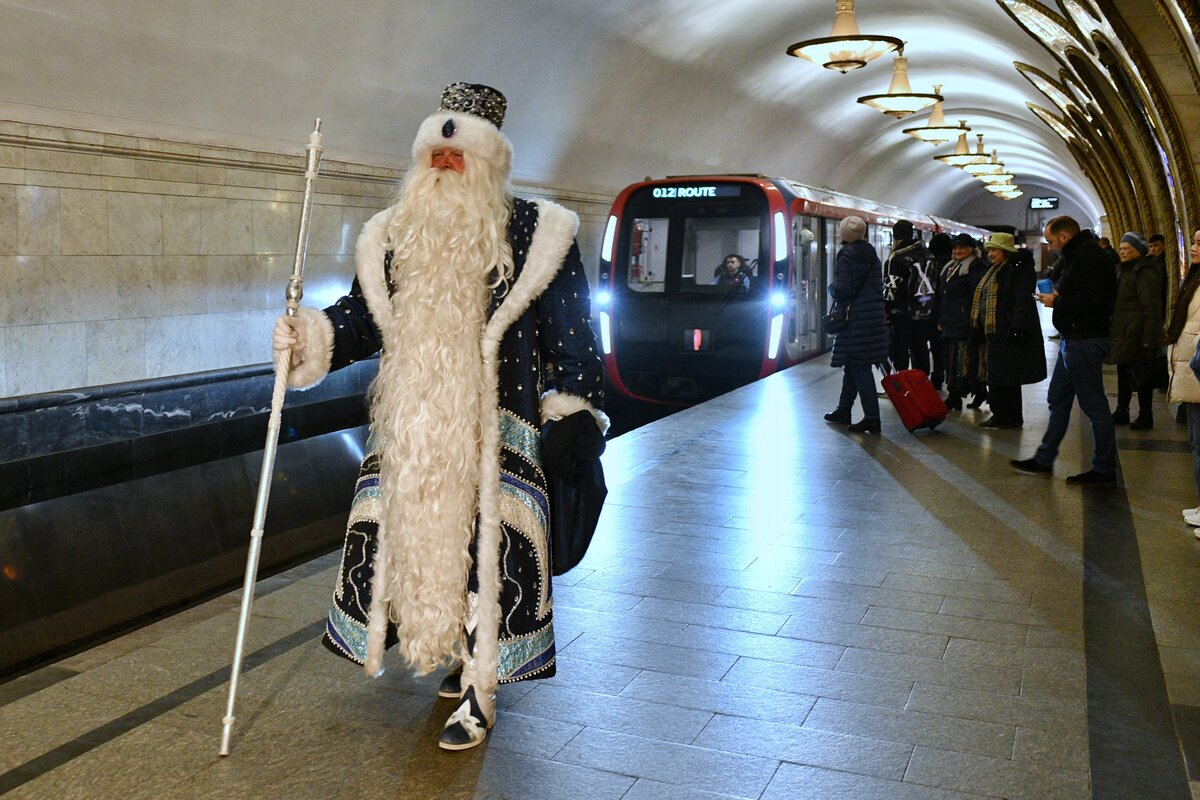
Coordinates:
column 956, row 288
column 903, row 293
column 1136, row 329
column 1107, row 247
column 1004, row 320
column 863, row 342
column 940, row 252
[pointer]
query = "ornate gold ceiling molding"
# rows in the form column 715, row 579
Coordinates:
column 1185, row 40
column 1056, row 92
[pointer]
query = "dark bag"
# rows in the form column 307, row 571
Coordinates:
column 1151, row 373
column 571, row 449
column 839, row 314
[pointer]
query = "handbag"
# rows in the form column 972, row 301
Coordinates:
column 1152, row 373
column 575, row 486
column 839, row 314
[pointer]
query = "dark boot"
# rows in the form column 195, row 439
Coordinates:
column 839, row 415
column 1144, row 422
column 1121, row 416
column 954, row 403
column 978, row 400
column 865, row 425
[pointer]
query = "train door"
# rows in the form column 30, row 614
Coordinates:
column 830, row 248
column 804, row 322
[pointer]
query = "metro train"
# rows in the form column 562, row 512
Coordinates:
column 680, row 321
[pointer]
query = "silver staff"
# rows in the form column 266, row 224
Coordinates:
column 295, row 291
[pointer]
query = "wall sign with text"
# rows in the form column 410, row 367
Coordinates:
column 1039, row 203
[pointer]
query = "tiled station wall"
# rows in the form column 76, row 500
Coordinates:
column 126, row 258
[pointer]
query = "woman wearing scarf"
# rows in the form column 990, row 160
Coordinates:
column 956, row 288
column 1004, row 322
column 1182, row 333
column 1136, row 329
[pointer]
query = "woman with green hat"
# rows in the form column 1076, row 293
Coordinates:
column 1005, row 325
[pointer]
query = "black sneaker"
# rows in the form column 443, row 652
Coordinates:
column 1032, row 467
column 1092, row 478
column 1142, row 423
column 839, row 415
column 866, row 425
column 1120, row 416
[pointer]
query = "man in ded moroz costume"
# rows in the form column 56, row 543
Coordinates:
column 479, row 303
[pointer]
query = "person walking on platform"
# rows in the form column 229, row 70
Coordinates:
column 1182, row 334
column 1082, row 301
column 941, row 250
column 1005, row 325
column 479, row 302
column 956, row 289
column 863, row 342
column 907, row 319
column 1136, row 330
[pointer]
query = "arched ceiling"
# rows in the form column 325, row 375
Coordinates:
column 600, row 93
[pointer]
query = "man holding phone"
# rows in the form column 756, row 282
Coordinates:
column 1082, row 303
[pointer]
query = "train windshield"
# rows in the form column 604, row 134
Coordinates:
column 707, row 247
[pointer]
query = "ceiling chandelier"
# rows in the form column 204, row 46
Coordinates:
column 962, row 154
column 844, row 48
column 999, row 177
column 1011, row 195
column 900, row 100
column 1000, row 188
column 936, row 131
column 993, row 167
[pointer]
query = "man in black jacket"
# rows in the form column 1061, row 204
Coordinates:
column 1082, row 301
column 908, row 298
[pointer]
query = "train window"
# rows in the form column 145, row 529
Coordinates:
column 648, row 254
column 720, row 254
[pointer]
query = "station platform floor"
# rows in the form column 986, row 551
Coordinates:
column 772, row 608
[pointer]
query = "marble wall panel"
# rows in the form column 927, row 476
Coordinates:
column 12, row 156
column 8, row 220
column 135, row 224
column 227, row 228
column 236, row 338
column 183, row 225
column 4, row 392
column 275, row 227
column 235, row 283
column 42, row 358
column 115, row 350
column 77, row 289
column 180, row 285
column 174, row 345
column 62, row 161
column 135, row 286
column 84, row 222
column 23, row 286
column 38, row 214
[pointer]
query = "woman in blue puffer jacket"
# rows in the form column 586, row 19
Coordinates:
column 863, row 342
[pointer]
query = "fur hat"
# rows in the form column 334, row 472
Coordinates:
column 903, row 231
column 1135, row 240
column 469, row 119
column 964, row 240
column 852, row 229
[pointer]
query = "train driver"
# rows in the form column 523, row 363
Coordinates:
column 733, row 271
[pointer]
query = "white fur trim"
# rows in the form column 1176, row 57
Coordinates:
column 556, row 405
column 368, row 263
column 318, row 349
column 473, row 135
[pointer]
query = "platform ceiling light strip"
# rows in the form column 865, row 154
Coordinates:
column 844, row 48
column 962, row 154
column 900, row 100
column 936, row 131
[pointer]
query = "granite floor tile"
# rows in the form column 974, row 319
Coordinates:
column 1068, row 753
column 866, row 635
column 1012, row 655
column 806, row 746
column 591, row 599
column 683, row 765
column 945, row 625
column 997, row 680
column 817, row 572
column 780, row 602
column 591, row 676
column 803, row 782
column 571, row 622
column 998, row 612
column 653, row 720
column 24, row 731
column 642, row 655
column 998, row 591
column 774, row 648
column 962, row 772
column 1047, row 715
column 654, row 790
column 732, row 578
column 693, row 591
column 713, row 616
column 913, row 727
column 929, row 569
column 811, row 681
column 872, row 595
column 723, row 697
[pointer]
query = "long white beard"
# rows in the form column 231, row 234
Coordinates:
column 426, row 402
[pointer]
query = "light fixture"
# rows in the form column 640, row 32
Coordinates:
column 993, row 167
column 1000, row 188
column 844, row 48
column 962, row 154
column 900, row 100
column 999, row 177
column 1013, row 195
column 936, row 131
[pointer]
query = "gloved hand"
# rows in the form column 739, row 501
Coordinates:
column 289, row 334
column 570, row 445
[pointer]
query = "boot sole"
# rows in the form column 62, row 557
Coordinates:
column 458, row 747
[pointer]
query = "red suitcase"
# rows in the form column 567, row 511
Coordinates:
column 915, row 399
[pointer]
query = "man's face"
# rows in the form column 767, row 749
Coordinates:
column 1056, row 242
column 1157, row 248
column 732, row 265
column 447, row 158
column 961, row 251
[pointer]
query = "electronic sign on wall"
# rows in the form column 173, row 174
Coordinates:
column 1042, row 203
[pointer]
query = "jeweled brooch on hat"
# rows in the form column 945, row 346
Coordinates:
column 477, row 99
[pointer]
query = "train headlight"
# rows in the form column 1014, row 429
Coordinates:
column 780, row 237
column 606, row 332
column 778, row 299
column 776, row 331
column 603, row 298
